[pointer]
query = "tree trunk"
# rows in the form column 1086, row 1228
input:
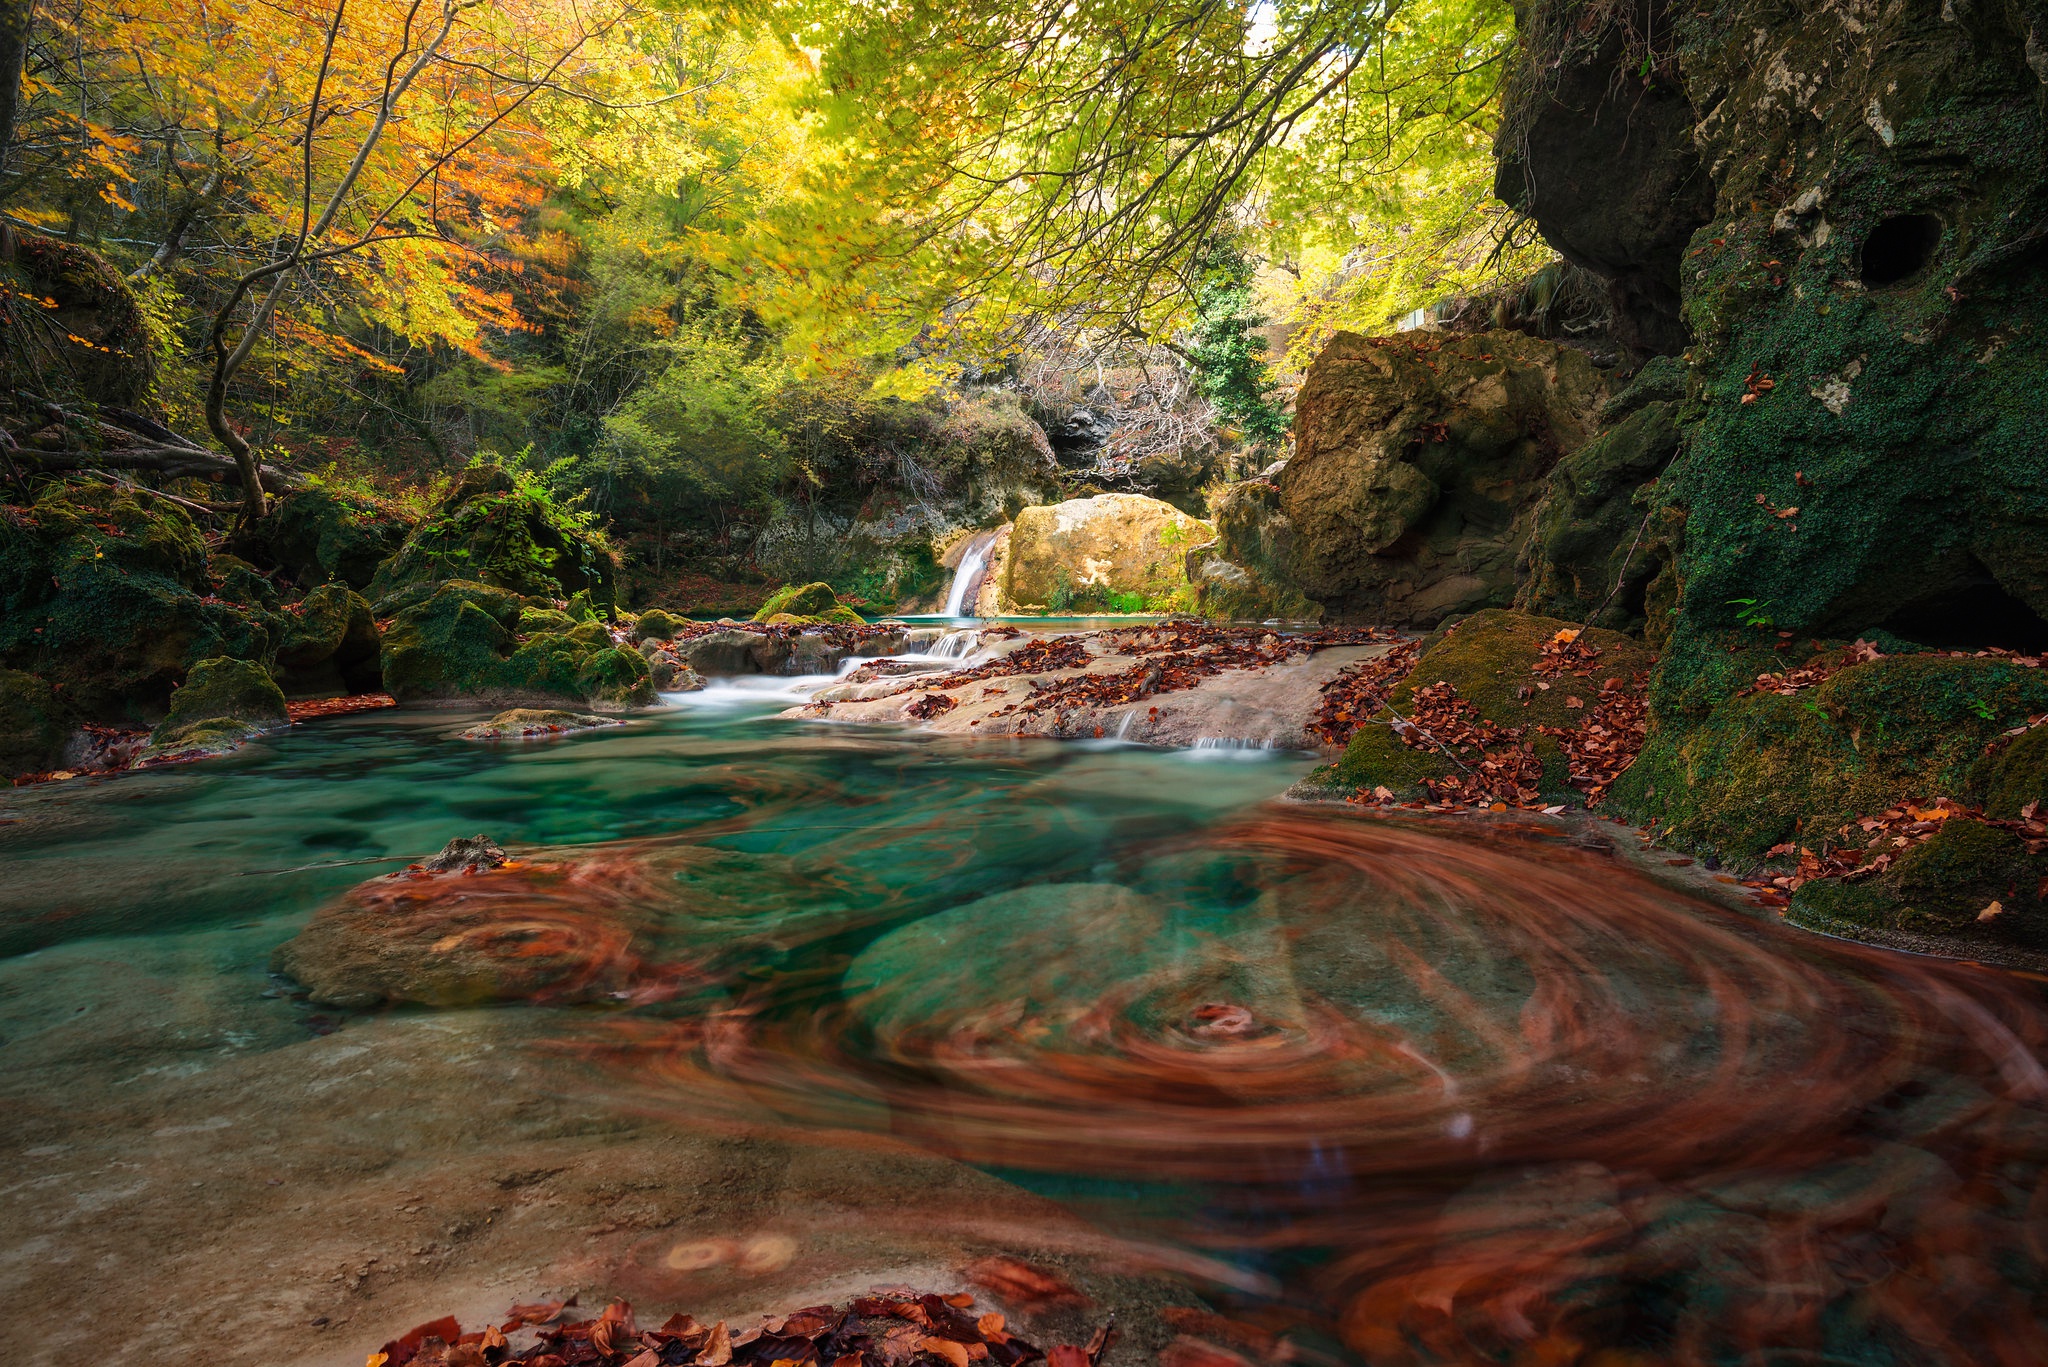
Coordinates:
column 15, row 18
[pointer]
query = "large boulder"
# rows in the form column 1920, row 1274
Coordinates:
column 499, row 528
column 804, row 604
column 1416, row 459
column 320, row 536
column 1099, row 554
column 464, row 644
column 223, row 704
column 89, row 338
column 1247, row 574
column 105, row 595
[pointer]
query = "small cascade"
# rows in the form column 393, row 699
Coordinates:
column 967, row 578
column 955, row 645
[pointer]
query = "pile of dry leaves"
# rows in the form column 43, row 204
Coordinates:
column 1352, row 698
column 1504, row 768
column 883, row 1330
column 1600, row 749
column 338, row 707
column 1870, row 845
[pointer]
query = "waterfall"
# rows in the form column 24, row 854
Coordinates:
column 966, row 579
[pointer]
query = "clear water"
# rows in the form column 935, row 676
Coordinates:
column 1404, row 1096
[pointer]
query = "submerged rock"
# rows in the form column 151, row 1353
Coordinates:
column 1085, row 554
column 467, row 855
column 529, row 723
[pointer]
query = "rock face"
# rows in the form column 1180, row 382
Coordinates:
column 1600, row 548
column 330, row 638
column 493, row 529
column 1416, row 459
column 1597, row 146
column 95, row 343
column 1247, row 575
column 32, row 726
column 1087, row 553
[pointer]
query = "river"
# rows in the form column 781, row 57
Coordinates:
column 1371, row 1091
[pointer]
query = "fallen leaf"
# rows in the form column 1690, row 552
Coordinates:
column 718, row 1351
column 989, row 1325
column 1574, row 702
column 1066, row 1355
column 952, row 1352
column 1992, row 912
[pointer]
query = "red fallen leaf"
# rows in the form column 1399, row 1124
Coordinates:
column 952, row 1352
column 682, row 1326
column 1021, row 1284
column 718, row 1351
column 1102, row 1340
column 646, row 1358
column 1066, row 1355
column 404, row 1348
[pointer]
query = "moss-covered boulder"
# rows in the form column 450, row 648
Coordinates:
column 501, row 528
column 223, row 704
column 463, row 643
column 1764, row 768
column 2014, row 775
column 1416, row 459
column 319, row 536
column 331, row 637
column 105, row 595
column 238, row 581
column 1091, row 554
column 33, row 725
column 1970, row 881
column 533, row 619
column 1490, row 660
column 535, row 723
column 657, row 625
column 90, row 340
column 798, row 600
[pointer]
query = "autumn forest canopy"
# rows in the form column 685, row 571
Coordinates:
column 703, row 269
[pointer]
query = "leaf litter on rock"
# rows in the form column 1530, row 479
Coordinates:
column 896, row 1327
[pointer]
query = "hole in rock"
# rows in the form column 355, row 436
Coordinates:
column 1971, row 616
column 1899, row 248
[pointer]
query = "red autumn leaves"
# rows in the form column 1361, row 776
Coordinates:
column 883, row 1330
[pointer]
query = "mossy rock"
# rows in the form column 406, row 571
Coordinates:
column 2013, row 775
column 1489, row 657
column 616, row 676
column 656, row 625
column 240, row 582
column 223, row 704
column 1766, row 768
column 462, row 643
column 1945, row 887
column 544, row 619
column 104, row 594
column 799, row 600
column 535, row 723
column 94, row 344
column 32, row 724
column 502, row 529
column 331, row 632
column 319, row 536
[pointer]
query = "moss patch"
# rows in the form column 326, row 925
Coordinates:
column 500, row 528
column 1490, row 658
column 464, row 643
column 32, row 724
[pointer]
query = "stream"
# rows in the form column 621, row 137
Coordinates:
column 1387, row 1092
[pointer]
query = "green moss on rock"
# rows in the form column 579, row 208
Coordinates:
column 320, row 536
column 502, row 529
column 331, row 634
column 1489, row 658
column 798, row 600
column 656, row 625
column 1968, row 881
column 463, row 643
column 1766, row 768
column 223, row 703
column 104, row 593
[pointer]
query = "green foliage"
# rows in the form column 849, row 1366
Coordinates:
column 503, row 527
column 1226, row 349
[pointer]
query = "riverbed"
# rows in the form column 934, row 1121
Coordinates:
column 1264, row 1079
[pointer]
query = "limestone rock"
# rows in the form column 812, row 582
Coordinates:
column 1416, row 459
column 330, row 635
column 1086, row 552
